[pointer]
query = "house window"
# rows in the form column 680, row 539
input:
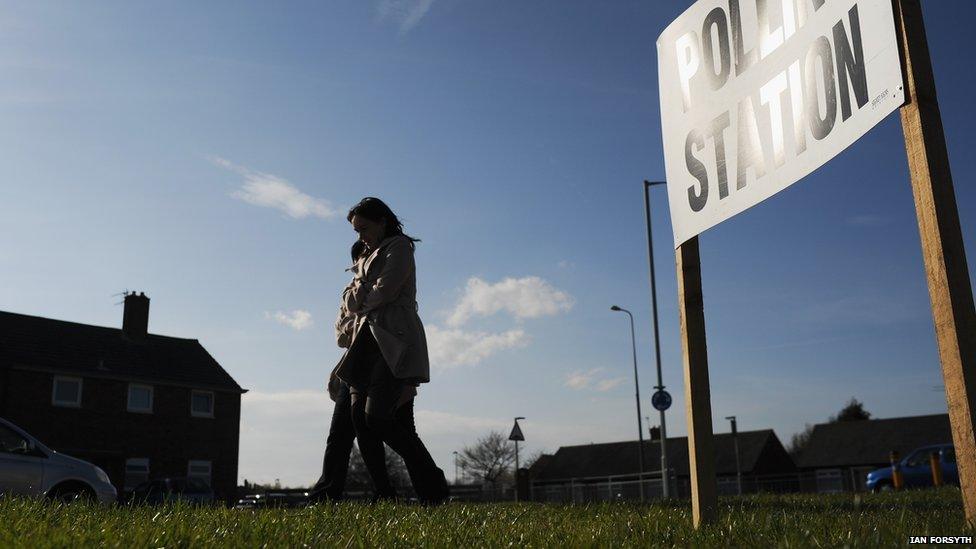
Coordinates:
column 200, row 470
column 136, row 472
column 66, row 392
column 202, row 404
column 140, row 398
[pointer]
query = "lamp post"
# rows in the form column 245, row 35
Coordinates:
column 657, row 340
column 455, row 467
column 640, row 428
column 738, row 467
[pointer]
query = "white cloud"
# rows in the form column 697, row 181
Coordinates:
column 607, row 384
column 405, row 13
column 290, row 403
column 527, row 297
column 443, row 423
column 297, row 420
column 455, row 347
column 296, row 320
column 582, row 379
column 271, row 191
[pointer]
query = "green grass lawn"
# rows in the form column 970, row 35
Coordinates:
column 867, row 520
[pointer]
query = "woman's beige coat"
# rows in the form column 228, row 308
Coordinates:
column 383, row 296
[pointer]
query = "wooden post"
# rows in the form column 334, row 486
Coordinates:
column 936, row 465
column 897, row 479
column 942, row 246
column 701, row 455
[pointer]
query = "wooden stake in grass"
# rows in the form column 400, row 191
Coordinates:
column 936, row 466
column 897, row 479
column 698, row 405
column 942, row 245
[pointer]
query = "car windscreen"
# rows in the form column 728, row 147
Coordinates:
column 919, row 458
column 11, row 442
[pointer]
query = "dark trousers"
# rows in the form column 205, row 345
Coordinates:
column 338, row 447
column 400, row 434
column 377, row 419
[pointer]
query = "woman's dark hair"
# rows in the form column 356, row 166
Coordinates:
column 376, row 210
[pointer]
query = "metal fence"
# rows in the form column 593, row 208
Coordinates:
column 482, row 493
column 628, row 488
column 591, row 489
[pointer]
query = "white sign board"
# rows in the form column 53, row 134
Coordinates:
column 756, row 94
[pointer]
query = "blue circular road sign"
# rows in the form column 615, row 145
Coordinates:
column 661, row 400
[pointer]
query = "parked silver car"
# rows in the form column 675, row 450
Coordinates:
column 28, row 468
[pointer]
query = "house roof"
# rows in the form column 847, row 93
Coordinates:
column 620, row 458
column 33, row 342
column 540, row 464
column 868, row 442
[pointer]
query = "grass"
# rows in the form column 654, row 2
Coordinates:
column 796, row 520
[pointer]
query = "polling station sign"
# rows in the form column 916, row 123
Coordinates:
column 756, row 94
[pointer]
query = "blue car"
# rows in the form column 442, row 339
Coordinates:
column 916, row 469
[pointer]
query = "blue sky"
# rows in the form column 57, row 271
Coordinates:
column 206, row 154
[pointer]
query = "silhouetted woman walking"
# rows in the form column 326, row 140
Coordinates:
column 387, row 358
column 335, row 464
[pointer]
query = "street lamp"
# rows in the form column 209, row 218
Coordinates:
column 640, row 428
column 455, row 467
column 657, row 339
column 738, row 467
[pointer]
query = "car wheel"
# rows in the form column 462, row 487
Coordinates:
column 884, row 486
column 72, row 494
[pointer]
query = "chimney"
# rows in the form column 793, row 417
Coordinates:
column 135, row 318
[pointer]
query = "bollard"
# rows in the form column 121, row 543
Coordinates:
column 936, row 469
column 896, row 478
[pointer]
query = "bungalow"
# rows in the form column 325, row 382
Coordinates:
column 841, row 454
column 610, row 470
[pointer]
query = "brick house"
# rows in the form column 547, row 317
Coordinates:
column 136, row 404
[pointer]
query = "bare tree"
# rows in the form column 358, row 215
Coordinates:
column 799, row 442
column 397, row 469
column 532, row 458
column 358, row 476
column 489, row 459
